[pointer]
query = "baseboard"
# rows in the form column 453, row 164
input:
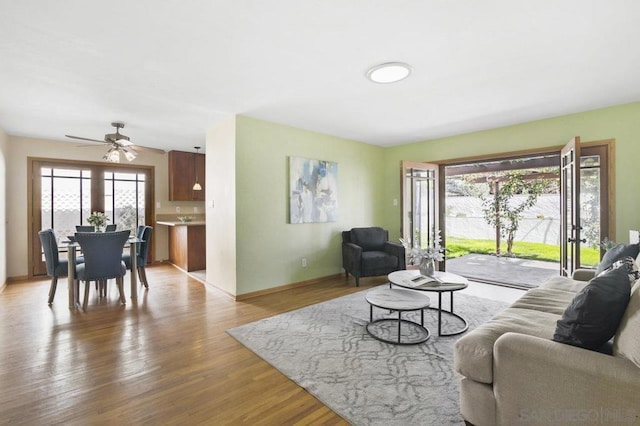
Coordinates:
column 285, row 287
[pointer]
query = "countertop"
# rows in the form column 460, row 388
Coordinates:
column 178, row 223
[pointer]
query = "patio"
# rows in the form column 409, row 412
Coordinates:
column 508, row 270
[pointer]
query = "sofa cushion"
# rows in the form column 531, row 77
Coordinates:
column 474, row 351
column 564, row 284
column 370, row 238
column 615, row 253
column 594, row 314
column 626, row 342
column 546, row 300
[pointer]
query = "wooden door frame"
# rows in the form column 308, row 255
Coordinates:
column 32, row 204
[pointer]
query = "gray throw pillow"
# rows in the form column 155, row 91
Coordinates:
column 595, row 312
column 617, row 253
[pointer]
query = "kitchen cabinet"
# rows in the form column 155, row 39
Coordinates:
column 187, row 245
column 183, row 168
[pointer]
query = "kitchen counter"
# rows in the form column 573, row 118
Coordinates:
column 187, row 244
column 178, row 223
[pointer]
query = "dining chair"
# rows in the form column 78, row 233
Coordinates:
column 85, row 228
column 143, row 233
column 102, row 261
column 110, row 228
column 55, row 267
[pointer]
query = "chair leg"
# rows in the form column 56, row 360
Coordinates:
column 142, row 274
column 52, row 289
column 120, row 283
column 357, row 281
column 86, row 295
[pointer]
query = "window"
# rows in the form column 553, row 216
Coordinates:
column 64, row 194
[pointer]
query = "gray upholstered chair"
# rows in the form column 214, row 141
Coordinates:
column 102, row 260
column 144, row 233
column 110, row 228
column 85, row 228
column 366, row 252
column 55, row 267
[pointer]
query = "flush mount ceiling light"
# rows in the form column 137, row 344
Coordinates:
column 389, row 72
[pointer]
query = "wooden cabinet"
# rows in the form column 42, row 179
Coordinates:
column 183, row 167
column 187, row 247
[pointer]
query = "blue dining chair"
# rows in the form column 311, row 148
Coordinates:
column 55, row 267
column 85, row 228
column 143, row 233
column 110, row 228
column 102, row 261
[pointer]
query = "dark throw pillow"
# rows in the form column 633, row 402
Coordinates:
column 594, row 315
column 616, row 253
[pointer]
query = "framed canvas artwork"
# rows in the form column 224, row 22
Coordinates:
column 313, row 190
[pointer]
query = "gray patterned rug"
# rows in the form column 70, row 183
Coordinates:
column 325, row 349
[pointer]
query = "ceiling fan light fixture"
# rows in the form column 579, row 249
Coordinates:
column 129, row 154
column 389, row 72
column 112, row 156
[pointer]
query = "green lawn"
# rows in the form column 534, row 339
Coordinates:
column 457, row 247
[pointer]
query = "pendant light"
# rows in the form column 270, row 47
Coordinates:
column 196, row 186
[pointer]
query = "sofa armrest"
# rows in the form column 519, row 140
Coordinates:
column 583, row 274
column 397, row 250
column 539, row 381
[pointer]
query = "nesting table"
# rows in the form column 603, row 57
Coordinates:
column 447, row 283
column 400, row 301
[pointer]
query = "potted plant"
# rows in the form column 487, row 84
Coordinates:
column 98, row 219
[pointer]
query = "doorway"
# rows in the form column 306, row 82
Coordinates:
column 477, row 248
column 64, row 193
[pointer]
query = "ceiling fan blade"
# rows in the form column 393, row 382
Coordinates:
column 148, row 149
column 85, row 139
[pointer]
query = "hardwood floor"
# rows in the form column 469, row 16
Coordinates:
column 165, row 359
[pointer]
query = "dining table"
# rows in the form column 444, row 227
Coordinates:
column 72, row 246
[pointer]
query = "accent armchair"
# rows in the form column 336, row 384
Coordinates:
column 367, row 252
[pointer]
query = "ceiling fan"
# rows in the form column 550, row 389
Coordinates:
column 118, row 143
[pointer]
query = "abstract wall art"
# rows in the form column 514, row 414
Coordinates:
column 313, row 190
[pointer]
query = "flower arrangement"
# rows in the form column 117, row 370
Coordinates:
column 417, row 254
column 98, row 219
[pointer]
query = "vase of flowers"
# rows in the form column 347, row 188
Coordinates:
column 426, row 257
column 98, row 219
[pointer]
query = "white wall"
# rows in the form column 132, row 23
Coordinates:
column 3, row 207
column 16, row 154
column 221, row 217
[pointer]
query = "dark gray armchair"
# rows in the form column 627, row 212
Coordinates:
column 367, row 252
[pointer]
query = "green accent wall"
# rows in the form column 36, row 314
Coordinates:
column 621, row 123
column 269, row 249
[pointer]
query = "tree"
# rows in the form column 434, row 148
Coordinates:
column 502, row 210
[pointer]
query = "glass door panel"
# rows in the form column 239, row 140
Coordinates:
column 124, row 199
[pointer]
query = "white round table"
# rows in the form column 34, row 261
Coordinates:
column 447, row 282
column 401, row 301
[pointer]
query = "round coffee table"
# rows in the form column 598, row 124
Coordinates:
column 401, row 301
column 448, row 282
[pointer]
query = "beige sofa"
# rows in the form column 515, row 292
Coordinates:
column 512, row 372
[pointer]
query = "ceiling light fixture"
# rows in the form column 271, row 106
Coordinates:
column 113, row 154
column 389, row 72
column 196, row 186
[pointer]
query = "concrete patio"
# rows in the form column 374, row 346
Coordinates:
column 509, row 270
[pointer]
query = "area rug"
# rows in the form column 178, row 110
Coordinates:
column 325, row 349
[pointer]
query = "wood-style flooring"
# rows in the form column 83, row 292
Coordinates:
column 163, row 359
